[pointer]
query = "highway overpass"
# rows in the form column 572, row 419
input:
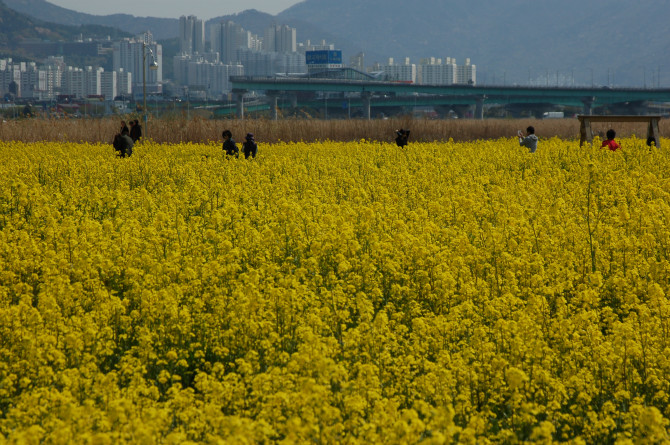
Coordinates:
column 408, row 94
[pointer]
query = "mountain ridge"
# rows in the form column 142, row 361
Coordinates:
column 16, row 27
column 48, row 12
column 601, row 42
column 508, row 39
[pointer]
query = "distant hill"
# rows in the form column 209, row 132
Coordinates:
column 614, row 42
column 40, row 9
column 168, row 28
column 165, row 29
column 16, row 27
column 510, row 40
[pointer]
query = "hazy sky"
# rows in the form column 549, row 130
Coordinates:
column 204, row 9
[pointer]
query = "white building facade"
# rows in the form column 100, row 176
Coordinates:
column 467, row 74
column 202, row 74
column 280, row 39
column 135, row 57
column 227, row 37
column 405, row 72
column 191, row 35
column 431, row 71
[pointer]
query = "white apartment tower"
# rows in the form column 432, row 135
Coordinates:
column 400, row 73
column 280, row 39
column 191, row 35
column 10, row 76
column 357, row 61
column 205, row 73
column 74, row 82
column 129, row 56
column 467, row 74
column 434, row 72
column 227, row 37
column 124, row 83
column 82, row 83
column 108, row 84
column 56, row 66
column 93, row 81
column 28, row 79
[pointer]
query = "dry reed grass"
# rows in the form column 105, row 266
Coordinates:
column 199, row 130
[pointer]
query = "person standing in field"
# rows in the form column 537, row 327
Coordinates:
column 229, row 145
column 530, row 140
column 402, row 137
column 135, row 130
column 123, row 127
column 249, row 148
column 123, row 144
column 610, row 143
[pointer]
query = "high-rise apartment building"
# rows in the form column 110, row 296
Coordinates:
column 53, row 77
column 205, row 73
column 265, row 63
column 433, row 71
column 74, row 82
column 357, row 62
column 124, row 83
column 191, row 35
column 109, row 84
column 129, row 56
column 26, row 79
column 467, row 74
column 10, row 76
column 29, row 79
column 227, row 37
column 280, row 39
column 93, row 81
column 405, row 72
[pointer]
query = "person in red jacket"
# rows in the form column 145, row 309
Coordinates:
column 610, row 143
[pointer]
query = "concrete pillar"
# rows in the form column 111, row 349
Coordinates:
column 366, row 98
column 479, row 107
column 274, row 106
column 239, row 105
column 588, row 105
column 273, row 98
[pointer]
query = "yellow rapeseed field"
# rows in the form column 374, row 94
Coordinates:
column 335, row 293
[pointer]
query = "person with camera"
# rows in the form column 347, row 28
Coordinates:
column 530, row 140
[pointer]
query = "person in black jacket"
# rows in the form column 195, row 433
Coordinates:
column 229, row 145
column 249, row 148
column 123, row 144
column 135, row 130
column 401, row 137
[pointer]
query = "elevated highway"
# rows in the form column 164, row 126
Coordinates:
column 407, row 94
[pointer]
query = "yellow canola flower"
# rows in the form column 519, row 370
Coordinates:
column 335, row 292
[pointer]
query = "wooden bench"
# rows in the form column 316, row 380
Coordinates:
column 586, row 134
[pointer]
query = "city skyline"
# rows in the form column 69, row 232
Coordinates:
column 204, row 9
